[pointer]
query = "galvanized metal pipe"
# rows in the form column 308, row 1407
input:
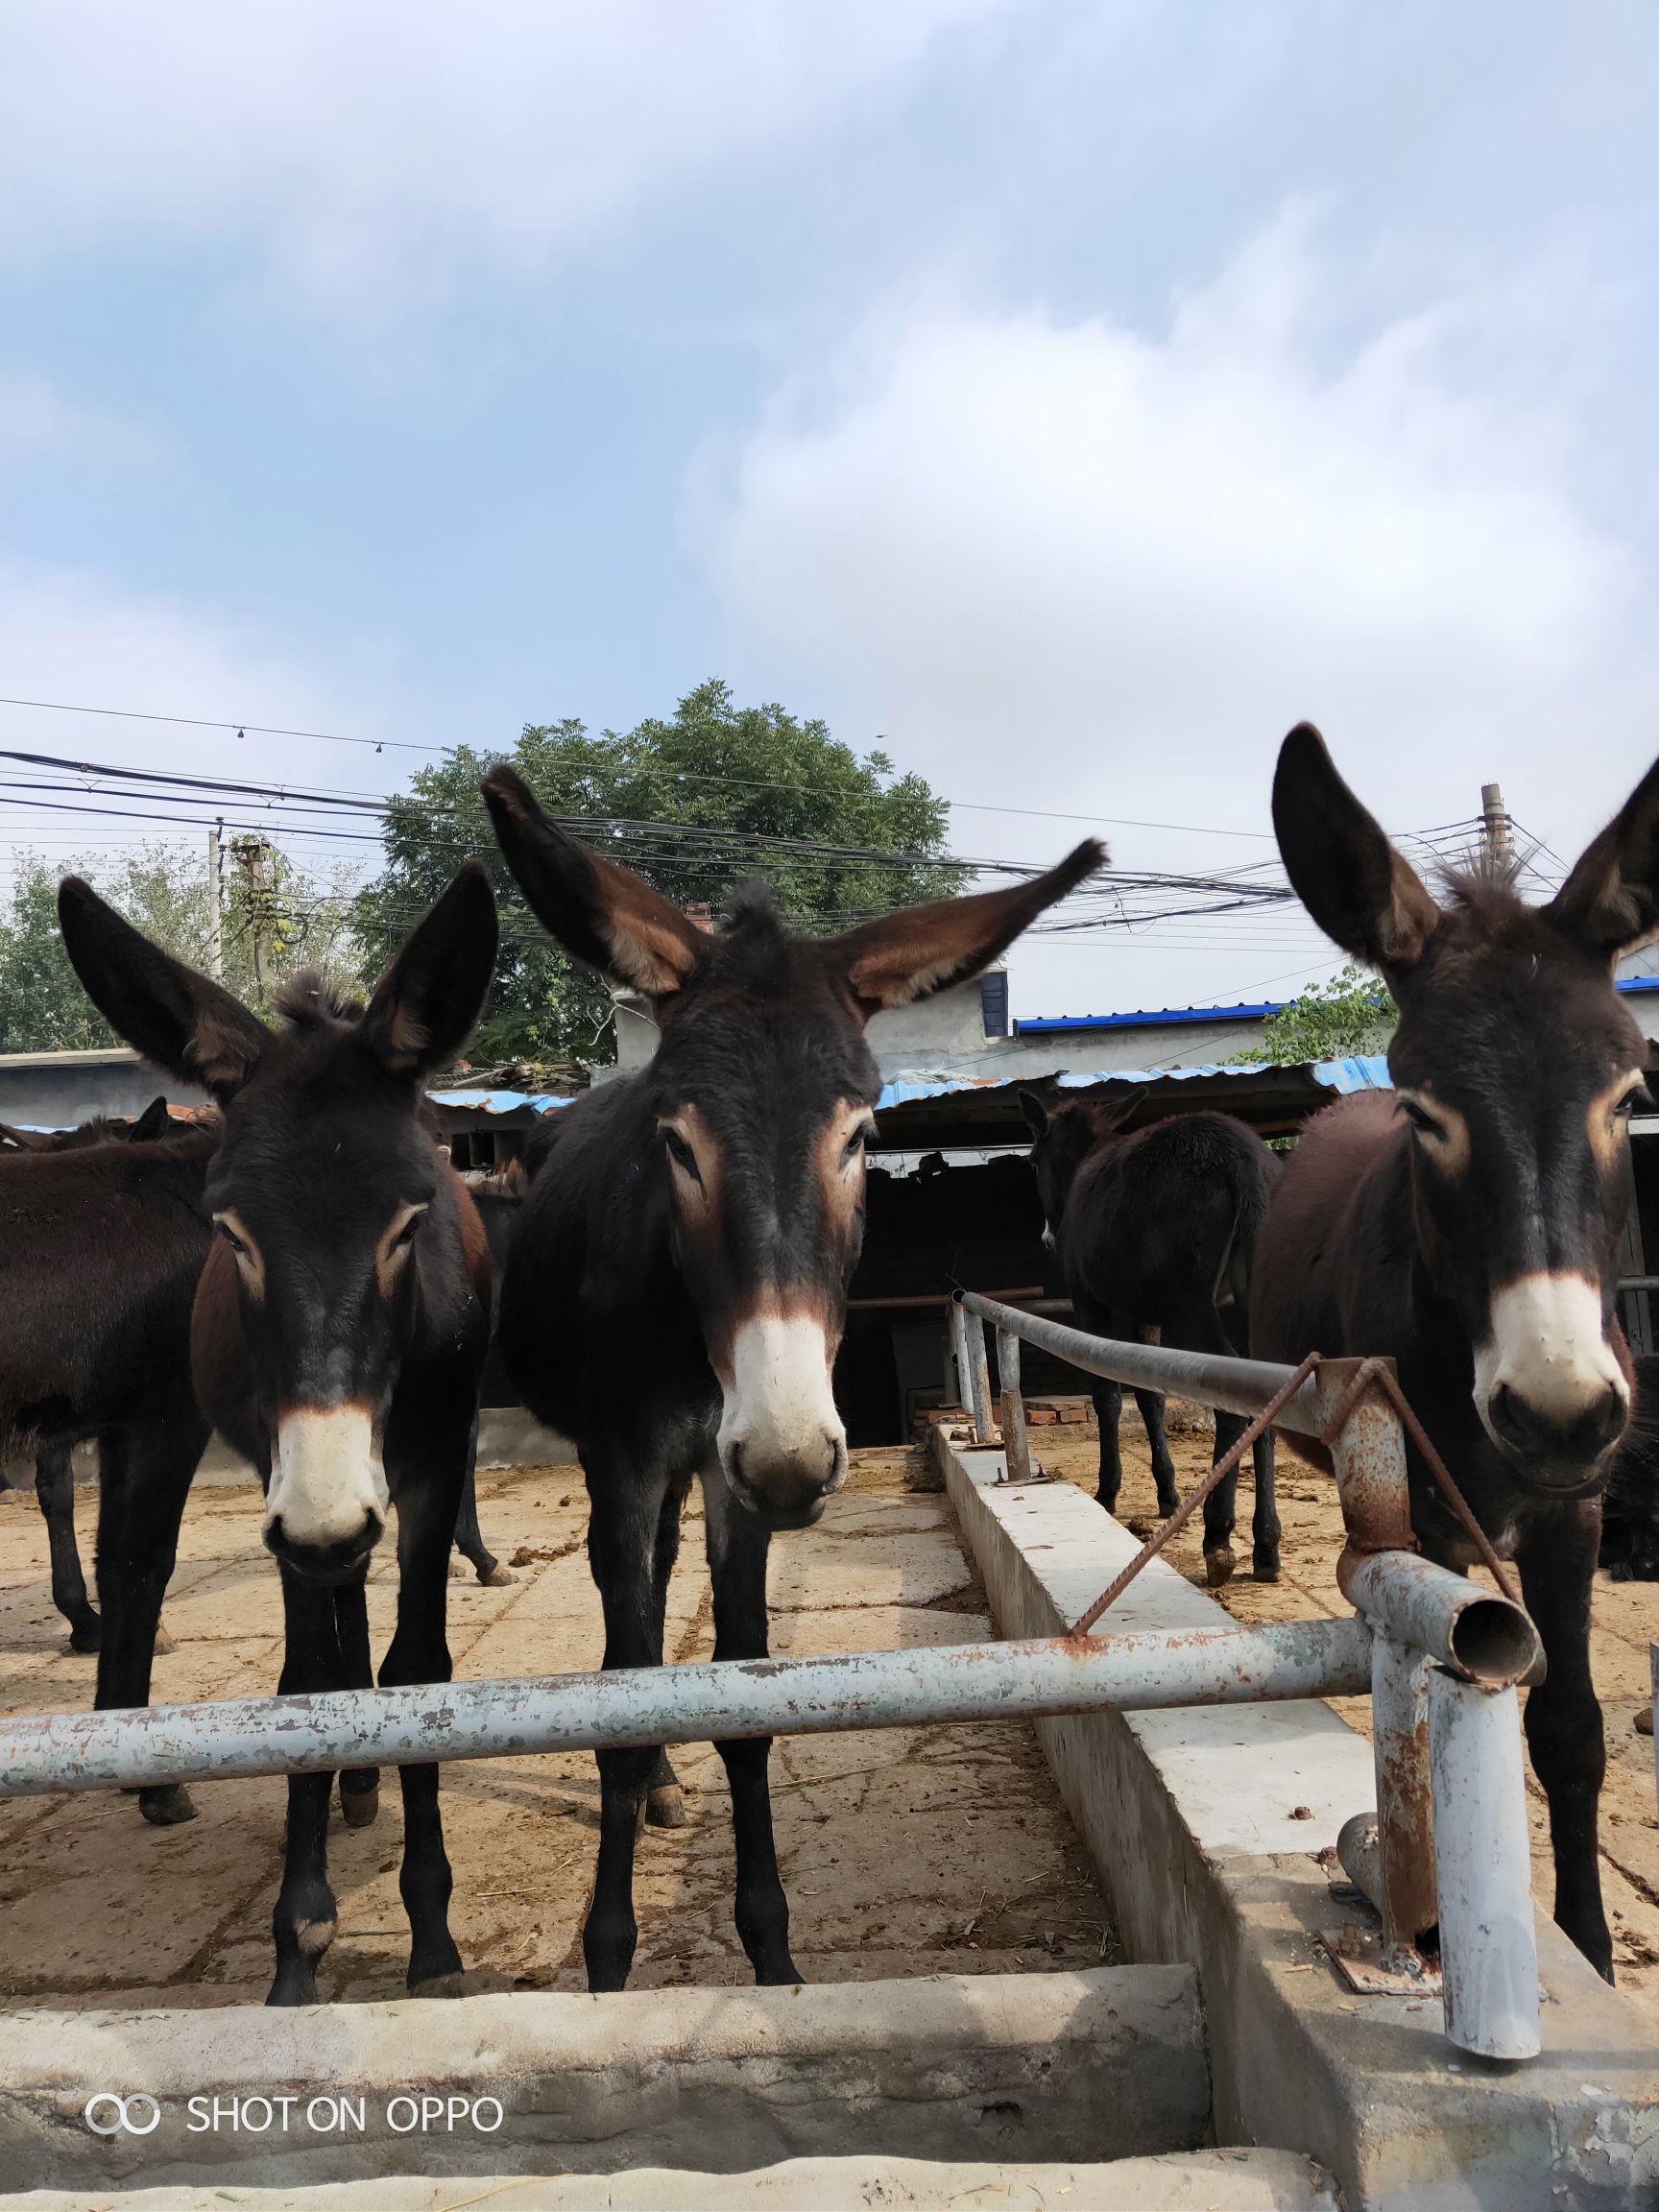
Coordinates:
column 715, row 1702
column 1483, row 1864
column 1237, row 1386
column 1016, row 1437
column 1404, row 1895
column 978, row 1371
column 1474, row 1631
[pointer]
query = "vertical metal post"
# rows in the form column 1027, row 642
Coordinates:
column 1484, row 1863
column 1016, row 1443
column 216, row 901
column 1405, row 1793
column 956, row 1361
column 978, row 1374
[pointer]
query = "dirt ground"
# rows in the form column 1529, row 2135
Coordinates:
column 1625, row 1619
column 904, row 1851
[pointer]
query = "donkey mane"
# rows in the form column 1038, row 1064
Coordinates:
column 310, row 1000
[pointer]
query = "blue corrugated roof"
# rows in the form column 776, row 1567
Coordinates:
column 1149, row 1018
column 1369, row 1072
column 498, row 1101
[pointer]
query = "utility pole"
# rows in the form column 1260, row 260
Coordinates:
column 1494, row 828
column 254, row 857
column 216, row 901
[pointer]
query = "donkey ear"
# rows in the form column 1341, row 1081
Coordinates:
column 1360, row 891
column 1610, row 903
column 1111, row 1113
column 425, row 1004
column 921, row 950
column 151, row 1124
column 1035, row 1111
column 602, row 914
column 182, row 1020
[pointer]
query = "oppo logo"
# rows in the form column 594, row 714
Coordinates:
column 108, row 2114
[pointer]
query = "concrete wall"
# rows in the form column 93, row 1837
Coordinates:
column 60, row 1090
column 1207, row 1826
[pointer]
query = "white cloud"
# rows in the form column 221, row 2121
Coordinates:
column 66, row 636
column 36, row 422
column 378, row 151
column 1073, row 565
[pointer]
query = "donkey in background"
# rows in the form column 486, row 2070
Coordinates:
column 710, row 1210
column 1468, row 1223
column 1155, row 1232
column 53, row 1457
column 338, row 1331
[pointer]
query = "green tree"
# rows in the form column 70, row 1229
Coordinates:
column 693, row 802
column 283, row 921
column 1348, row 1014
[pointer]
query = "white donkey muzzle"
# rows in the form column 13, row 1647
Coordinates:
column 1547, row 1382
column 327, row 1492
column 782, row 1442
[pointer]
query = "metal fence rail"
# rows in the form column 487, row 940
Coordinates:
column 1445, row 1658
column 712, row 1702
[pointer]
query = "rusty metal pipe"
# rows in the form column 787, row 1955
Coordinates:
column 1479, row 1636
column 1404, row 1895
column 978, row 1373
column 1237, row 1386
column 1016, row 1439
column 714, row 1703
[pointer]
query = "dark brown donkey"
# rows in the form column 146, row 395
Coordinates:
column 339, row 1329
column 1468, row 1223
column 1155, row 1233
column 53, row 1457
column 676, row 1288
column 100, row 1253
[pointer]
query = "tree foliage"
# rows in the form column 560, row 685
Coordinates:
column 274, row 918
column 693, row 802
column 1349, row 1014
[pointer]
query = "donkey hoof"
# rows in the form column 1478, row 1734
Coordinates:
column 87, row 1635
column 495, row 1576
column 783, row 1976
column 359, row 1802
column 164, row 1643
column 168, row 1807
column 1264, row 1566
column 666, row 1808
column 1217, row 1565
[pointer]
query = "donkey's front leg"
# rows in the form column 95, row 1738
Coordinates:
column 426, row 1502
column 625, row 1517
column 55, row 1490
column 1564, row 1734
column 738, row 1547
column 303, row 1923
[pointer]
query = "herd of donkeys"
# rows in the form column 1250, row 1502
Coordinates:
column 304, row 1272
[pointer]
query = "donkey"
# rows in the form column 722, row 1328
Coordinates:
column 338, row 1331
column 53, row 1457
column 1469, row 1223
column 1155, row 1233
column 676, row 1286
column 1630, row 1506
column 100, row 1248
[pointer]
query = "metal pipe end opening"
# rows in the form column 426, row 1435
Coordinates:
column 1494, row 1641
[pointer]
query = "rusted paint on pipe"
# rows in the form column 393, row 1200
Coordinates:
column 1405, row 1794
column 1467, row 1629
column 1016, row 1437
column 713, row 1702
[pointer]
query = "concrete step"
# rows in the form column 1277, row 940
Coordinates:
column 1188, row 2181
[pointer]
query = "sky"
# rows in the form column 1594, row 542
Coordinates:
column 1069, row 397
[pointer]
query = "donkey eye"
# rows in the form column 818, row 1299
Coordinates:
column 1636, row 1099
column 406, row 1234
column 681, row 1153
column 1420, row 1118
column 854, row 1145
column 232, row 1239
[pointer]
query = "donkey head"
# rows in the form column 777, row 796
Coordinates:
column 1062, row 1139
column 322, row 1188
column 1516, row 1067
column 762, row 1093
